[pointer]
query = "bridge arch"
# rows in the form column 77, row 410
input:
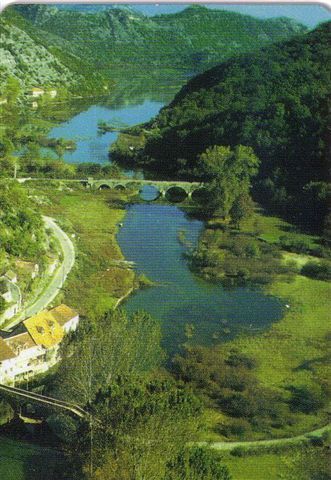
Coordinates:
column 104, row 186
column 200, row 195
column 176, row 194
column 149, row 193
column 120, row 187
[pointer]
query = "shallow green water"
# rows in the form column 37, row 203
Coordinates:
column 149, row 237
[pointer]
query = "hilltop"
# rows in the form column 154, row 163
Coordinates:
column 274, row 101
column 192, row 39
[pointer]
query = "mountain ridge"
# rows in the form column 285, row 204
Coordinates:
column 195, row 38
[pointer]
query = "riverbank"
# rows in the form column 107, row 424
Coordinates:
column 291, row 356
column 95, row 284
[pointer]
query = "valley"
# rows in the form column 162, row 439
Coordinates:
column 203, row 319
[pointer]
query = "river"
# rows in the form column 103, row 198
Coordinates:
column 83, row 129
column 182, row 302
column 190, row 309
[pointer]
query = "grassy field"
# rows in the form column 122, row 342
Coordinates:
column 24, row 461
column 293, row 352
column 95, row 283
column 294, row 464
column 271, row 228
column 257, row 467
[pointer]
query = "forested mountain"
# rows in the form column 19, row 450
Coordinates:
column 34, row 62
column 192, row 39
column 275, row 101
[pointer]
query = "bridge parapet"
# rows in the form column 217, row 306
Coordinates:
column 161, row 185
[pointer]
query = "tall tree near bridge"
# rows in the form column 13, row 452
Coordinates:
column 228, row 174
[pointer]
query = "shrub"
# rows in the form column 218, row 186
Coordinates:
column 239, row 427
column 239, row 452
column 305, row 400
column 316, row 441
column 319, row 270
column 294, row 244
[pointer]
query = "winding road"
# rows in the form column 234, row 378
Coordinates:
column 57, row 280
column 275, row 442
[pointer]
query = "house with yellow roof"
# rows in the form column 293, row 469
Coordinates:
column 35, row 350
column 44, row 329
column 66, row 317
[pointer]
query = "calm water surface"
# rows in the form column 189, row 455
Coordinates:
column 149, row 237
column 83, row 129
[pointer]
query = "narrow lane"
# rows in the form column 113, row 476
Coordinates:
column 57, row 280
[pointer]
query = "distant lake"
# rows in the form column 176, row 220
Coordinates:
column 83, row 129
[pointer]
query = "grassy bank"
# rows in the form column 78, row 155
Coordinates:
column 23, row 461
column 294, row 349
column 296, row 463
column 96, row 282
column 292, row 354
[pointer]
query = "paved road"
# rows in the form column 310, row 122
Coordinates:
column 58, row 279
column 229, row 446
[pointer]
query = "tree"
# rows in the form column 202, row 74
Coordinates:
column 3, row 304
column 242, row 208
column 228, row 173
column 197, row 463
column 117, row 345
column 147, row 423
column 12, row 90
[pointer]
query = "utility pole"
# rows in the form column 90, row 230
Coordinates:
column 90, row 401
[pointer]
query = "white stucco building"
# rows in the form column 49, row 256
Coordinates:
column 35, row 350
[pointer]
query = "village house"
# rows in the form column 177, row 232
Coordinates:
column 7, row 361
column 29, row 357
column 37, row 92
column 53, row 262
column 5, row 290
column 12, row 277
column 52, row 93
column 66, row 317
column 36, row 349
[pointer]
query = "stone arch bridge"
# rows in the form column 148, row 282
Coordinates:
column 163, row 186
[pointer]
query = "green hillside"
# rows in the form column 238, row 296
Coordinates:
column 36, row 62
column 192, row 39
column 275, row 101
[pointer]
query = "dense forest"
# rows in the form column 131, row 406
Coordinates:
column 274, row 101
